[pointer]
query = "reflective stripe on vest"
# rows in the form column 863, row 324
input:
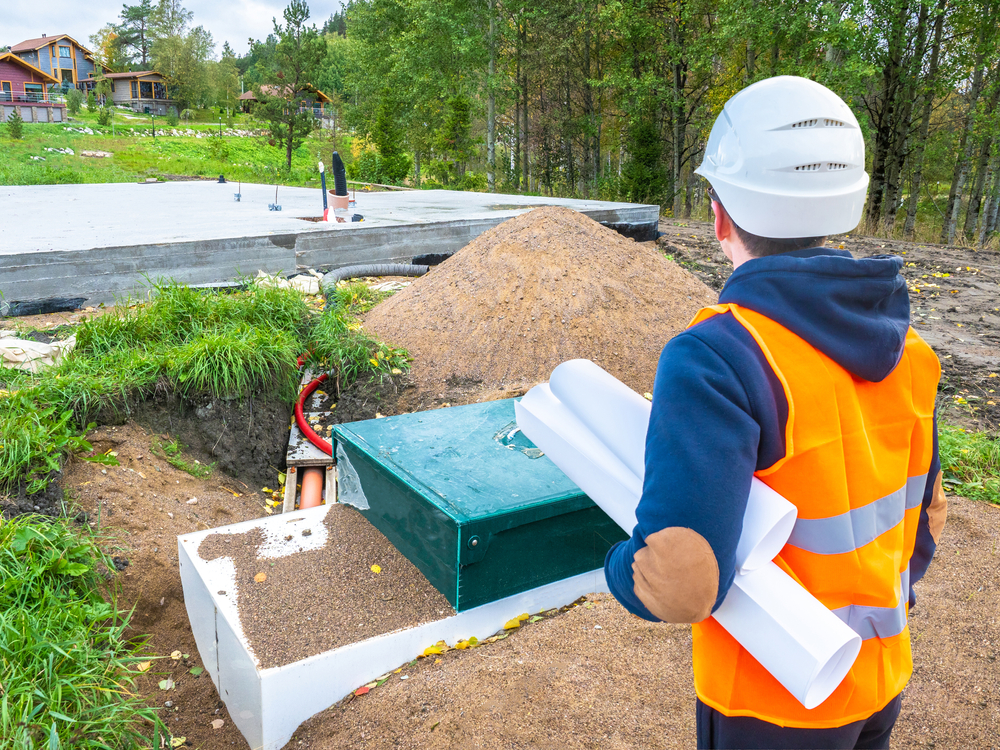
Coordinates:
column 859, row 526
column 856, row 459
column 878, row 622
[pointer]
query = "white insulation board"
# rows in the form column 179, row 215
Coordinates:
column 268, row 705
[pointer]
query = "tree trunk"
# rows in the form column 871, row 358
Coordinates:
column 978, row 184
column 989, row 210
column 416, row 166
column 677, row 114
column 518, row 135
column 524, row 110
column 917, row 160
column 490, row 108
column 961, row 173
column 994, row 213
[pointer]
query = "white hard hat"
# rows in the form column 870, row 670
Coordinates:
column 787, row 159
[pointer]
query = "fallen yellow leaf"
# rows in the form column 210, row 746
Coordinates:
column 376, row 569
column 143, row 666
column 523, row 617
column 178, row 741
column 176, row 655
column 260, row 577
column 512, row 624
column 431, row 651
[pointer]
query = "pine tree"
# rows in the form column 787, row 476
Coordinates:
column 15, row 125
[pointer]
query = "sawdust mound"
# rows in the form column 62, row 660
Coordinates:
column 539, row 289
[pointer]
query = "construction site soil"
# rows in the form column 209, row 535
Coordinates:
column 369, row 588
column 593, row 676
column 539, row 289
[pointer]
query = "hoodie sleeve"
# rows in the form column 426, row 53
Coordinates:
column 715, row 417
column 933, row 514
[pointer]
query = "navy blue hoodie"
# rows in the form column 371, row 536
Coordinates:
column 719, row 411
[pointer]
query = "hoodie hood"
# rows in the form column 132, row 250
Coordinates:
column 855, row 311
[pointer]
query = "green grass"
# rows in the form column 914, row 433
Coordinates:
column 343, row 348
column 64, row 653
column 970, row 462
column 228, row 345
column 137, row 156
column 172, row 454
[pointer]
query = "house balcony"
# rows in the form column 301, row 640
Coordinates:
column 41, row 98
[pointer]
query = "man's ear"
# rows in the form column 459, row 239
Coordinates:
column 723, row 224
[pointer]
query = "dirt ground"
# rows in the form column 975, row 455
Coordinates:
column 593, row 676
column 598, row 677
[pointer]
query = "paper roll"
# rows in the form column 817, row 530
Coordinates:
column 607, row 406
column 580, row 455
column 767, row 524
column 806, row 647
column 587, row 460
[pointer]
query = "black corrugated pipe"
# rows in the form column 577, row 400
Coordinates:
column 330, row 280
column 339, row 174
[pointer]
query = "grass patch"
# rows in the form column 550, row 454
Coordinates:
column 172, row 454
column 224, row 344
column 64, row 654
column 970, row 462
column 343, row 348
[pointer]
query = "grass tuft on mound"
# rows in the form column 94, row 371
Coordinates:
column 238, row 344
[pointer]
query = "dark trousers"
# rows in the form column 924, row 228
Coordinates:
column 718, row 731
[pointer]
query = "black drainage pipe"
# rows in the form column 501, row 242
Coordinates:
column 329, row 280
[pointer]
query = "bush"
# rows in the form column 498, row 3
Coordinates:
column 218, row 149
column 172, row 119
column 473, row 182
column 15, row 125
column 74, row 100
column 187, row 114
column 91, row 102
column 104, row 115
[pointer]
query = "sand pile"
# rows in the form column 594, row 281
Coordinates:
column 539, row 289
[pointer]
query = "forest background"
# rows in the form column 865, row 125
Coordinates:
column 614, row 99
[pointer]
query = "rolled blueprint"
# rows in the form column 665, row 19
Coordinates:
column 570, row 439
column 593, row 427
column 607, row 406
column 804, row 646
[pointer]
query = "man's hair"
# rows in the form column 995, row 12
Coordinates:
column 759, row 247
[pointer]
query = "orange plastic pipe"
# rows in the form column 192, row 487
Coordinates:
column 312, row 488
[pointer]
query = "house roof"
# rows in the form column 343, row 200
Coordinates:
column 132, row 74
column 28, row 45
column 268, row 89
column 12, row 58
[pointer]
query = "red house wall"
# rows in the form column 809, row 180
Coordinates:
column 18, row 76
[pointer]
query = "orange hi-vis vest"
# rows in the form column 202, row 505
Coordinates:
column 856, row 460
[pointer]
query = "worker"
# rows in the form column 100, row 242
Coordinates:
column 808, row 376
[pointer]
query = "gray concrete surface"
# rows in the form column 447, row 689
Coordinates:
column 102, row 242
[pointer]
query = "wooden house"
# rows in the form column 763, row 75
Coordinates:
column 61, row 57
column 142, row 91
column 26, row 88
column 316, row 101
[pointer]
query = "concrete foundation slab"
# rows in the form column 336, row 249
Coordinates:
column 103, row 242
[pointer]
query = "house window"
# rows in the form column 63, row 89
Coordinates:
column 64, row 52
column 135, row 90
column 33, row 92
column 67, row 76
column 159, row 91
column 112, row 87
column 145, row 90
column 5, row 95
